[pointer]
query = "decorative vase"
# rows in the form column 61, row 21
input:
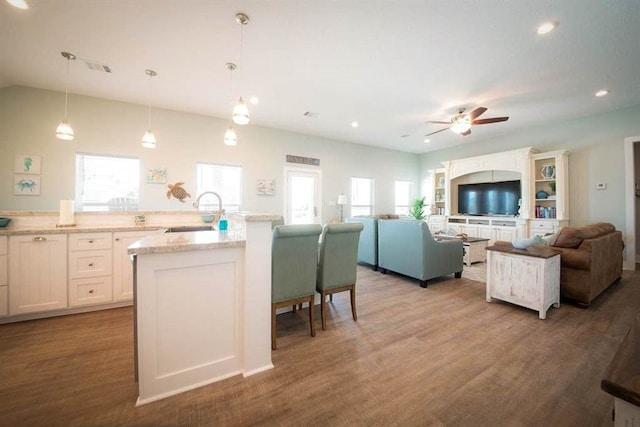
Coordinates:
column 548, row 172
column 542, row 194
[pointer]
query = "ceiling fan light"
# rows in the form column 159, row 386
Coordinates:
column 460, row 127
column 241, row 113
column 64, row 131
column 149, row 139
column 230, row 137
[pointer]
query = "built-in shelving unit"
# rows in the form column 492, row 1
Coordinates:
column 439, row 192
column 550, row 209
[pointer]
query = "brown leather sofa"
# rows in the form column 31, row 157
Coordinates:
column 590, row 262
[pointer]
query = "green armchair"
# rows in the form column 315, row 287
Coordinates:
column 294, row 263
column 407, row 247
column 337, row 264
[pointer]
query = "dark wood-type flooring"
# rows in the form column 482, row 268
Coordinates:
column 439, row 356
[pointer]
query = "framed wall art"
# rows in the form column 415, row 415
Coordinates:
column 26, row 185
column 266, row 187
column 28, row 164
column 157, row 176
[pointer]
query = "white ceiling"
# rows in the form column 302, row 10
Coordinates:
column 390, row 65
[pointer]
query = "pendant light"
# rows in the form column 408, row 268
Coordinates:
column 240, row 111
column 148, row 139
column 64, row 130
column 230, row 137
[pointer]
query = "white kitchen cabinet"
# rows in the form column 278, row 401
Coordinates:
column 4, row 289
column 122, row 266
column 37, row 273
column 90, row 268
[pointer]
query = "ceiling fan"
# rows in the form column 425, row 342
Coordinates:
column 461, row 123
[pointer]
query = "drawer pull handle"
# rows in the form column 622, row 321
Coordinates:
column 39, row 239
column 91, row 291
column 117, row 239
column 91, row 241
column 90, row 264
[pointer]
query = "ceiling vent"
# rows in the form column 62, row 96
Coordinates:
column 97, row 67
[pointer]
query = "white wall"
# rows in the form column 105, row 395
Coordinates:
column 596, row 145
column 28, row 119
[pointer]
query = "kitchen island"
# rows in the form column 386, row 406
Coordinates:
column 202, row 306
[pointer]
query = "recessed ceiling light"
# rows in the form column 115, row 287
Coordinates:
column 254, row 100
column 427, row 140
column 355, row 124
column 602, row 92
column 547, row 27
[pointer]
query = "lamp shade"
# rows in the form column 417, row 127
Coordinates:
column 230, row 137
column 149, row 139
column 64, row 131
column 342, row 199
column 241, row 113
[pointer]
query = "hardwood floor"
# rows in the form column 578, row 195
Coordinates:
column 439, row 356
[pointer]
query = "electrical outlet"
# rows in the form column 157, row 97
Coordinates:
column 601, row 186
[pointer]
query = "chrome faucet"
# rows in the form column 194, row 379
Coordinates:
column 196, row 204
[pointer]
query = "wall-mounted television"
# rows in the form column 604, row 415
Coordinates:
column 489, row 198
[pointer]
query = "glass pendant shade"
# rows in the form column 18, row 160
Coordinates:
column 230, row 137
column 149, row 139
column 241, row 113
column 460, row 127
column 64, row 131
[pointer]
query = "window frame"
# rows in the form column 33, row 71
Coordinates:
column 358, row 208
column 115, row 202
column 223, row 193
column 400, row 209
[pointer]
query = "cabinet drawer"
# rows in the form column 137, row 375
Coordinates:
column 4, row 301
column 92, row 290
column 3, row 245
column 89, row 264
column 3, row 270
column 89, row 241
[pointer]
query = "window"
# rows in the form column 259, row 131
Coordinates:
column 361, row 196
column 403, row 197
column 107, row 183
column 222, row 179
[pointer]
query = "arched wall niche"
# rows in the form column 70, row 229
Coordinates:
column 504, row 166
column 481, row 177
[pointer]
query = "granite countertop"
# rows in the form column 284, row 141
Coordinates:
column 622, row 378
column 187, row 241
column 8, row 231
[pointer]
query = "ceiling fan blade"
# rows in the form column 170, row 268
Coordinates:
column 490, row 120
column 477, row 112
column 438, row 131
column 466, row 133
column 438, row 123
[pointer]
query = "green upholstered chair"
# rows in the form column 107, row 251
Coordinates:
column 294, row 261
column 276, row 222
column 408, row 247
column 337, row 264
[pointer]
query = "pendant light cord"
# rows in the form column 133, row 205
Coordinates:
column 66, row 92
column 150, row 76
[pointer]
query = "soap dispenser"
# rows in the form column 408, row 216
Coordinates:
column 223, row 224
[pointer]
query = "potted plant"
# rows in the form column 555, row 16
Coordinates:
column 417, row 208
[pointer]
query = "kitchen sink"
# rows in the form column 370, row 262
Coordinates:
column 183, row 228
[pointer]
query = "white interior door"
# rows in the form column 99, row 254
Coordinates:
column 302, row 198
